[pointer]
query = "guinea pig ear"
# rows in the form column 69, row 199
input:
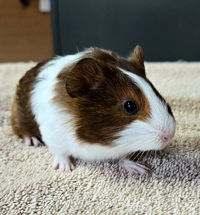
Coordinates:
column 86, row 75
column 137, row 58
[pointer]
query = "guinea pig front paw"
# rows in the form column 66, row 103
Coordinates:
column 63, row 163
column 32, row 141
column 133, row 167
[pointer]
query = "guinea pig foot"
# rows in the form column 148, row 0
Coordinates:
column 31, row 141
column 63, row 163
column 133, row 167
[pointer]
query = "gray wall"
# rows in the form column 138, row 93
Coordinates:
column 166, row 29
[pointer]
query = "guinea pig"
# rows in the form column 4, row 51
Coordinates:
column 93, row 105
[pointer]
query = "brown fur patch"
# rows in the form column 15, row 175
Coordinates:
column 98, row 111
column 111, row 58
column 22, row 118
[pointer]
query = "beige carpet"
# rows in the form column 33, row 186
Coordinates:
column 29, row 185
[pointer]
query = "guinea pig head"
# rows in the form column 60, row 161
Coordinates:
column 115, row 105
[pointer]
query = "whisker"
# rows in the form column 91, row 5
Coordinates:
column 148, row 153
column 77, row 49
column 141, row 156
column 137, row 155
column 126, row 156
column 132, row 155
column 155, row 154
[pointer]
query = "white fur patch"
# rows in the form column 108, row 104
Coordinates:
column 145, row 135
column 54, row 124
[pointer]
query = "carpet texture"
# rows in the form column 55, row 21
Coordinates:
column 29, row 185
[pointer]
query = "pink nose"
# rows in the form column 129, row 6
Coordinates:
column 165, row 137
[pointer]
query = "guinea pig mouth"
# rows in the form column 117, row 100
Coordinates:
column 163, row 140
column 158, row 142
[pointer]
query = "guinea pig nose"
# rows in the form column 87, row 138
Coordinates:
column 165, row 137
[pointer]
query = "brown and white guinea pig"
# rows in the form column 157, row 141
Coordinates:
column 93, row 105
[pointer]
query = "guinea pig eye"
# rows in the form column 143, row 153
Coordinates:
column 130, row 107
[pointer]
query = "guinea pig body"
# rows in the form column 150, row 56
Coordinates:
column 93, row 105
